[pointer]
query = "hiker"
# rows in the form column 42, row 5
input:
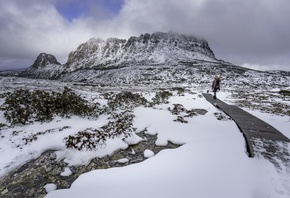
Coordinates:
column 216, row 85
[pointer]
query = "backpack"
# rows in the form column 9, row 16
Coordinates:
column 217, row 83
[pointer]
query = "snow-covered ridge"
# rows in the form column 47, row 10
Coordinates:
column 156, row 48
column 147, row 49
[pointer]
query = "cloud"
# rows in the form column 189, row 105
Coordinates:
column 242, row 32
column 29, row 29
column 239, row 31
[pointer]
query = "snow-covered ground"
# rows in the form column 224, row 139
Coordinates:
column 212, row 161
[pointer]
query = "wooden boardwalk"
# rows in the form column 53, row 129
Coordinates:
column 253, row 129
column 262, row 141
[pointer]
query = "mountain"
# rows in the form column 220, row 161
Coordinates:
column 45, row 66
column 148, row 49
column 155, row 49
column 166, row 59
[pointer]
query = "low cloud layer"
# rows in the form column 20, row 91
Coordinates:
column 251, row 33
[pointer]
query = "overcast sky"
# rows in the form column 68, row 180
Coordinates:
column 254, row 33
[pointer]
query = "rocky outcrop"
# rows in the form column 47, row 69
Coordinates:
column 45, row 66
column 44, row 60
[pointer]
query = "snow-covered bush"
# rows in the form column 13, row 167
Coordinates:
column 86, row 140
column 161, row 97
column 24, row 106
column 68, row 103
column 180, row 90
column 121, row 126
column 2, row 125
column 125, row 100
column 284, row 92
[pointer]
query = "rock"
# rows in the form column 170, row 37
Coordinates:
column 180, row 119
column 31, row 192
column 45, row 66
column 4, row 191
column 178, row 108
column 148, row 153
column 50, row 187
column 43, row 60
column 66, row 172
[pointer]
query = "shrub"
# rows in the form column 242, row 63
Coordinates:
column 68, row 103
column 180, row 90
column 125, row 100
column 24, row 106
column 284, row 92
column 85, row 140
column 122, row 124
column 2, row 125
column 161, row 97
column 89, row 139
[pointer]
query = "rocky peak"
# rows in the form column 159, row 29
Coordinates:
column 147, row 49
column 43, row 60
column 174, row 42
column 45, row 66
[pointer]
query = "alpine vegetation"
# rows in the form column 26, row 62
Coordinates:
column 24, row 107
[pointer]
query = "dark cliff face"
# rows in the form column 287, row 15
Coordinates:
column 45, row 66
column 43, row 60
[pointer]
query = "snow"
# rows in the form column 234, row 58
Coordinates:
column 73, row 157
column 66, row 172
column 212, row 161
column 123, row 160
column 20, row 153
column 50, row 187
column 148, row 153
